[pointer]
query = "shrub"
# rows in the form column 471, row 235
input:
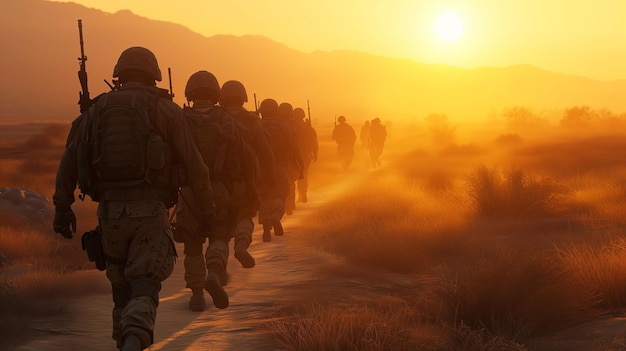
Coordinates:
column 514, row 194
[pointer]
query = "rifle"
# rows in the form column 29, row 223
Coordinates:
column 308, row 110
column 83, row 96
column 335, row 120
column 256, row 106
column 169, row 74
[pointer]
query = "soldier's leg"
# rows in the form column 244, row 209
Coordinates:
column 115, row 246
column 290, row 199
column 277, row 212
column 216, row 262
column 146, row 245
column 265, row 217
column 195, row 271
column 243, row 237
column 303, row 184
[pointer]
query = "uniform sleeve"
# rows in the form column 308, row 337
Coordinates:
column 198, row 178
column 67, row 172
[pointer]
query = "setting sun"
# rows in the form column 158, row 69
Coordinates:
column 449, row 26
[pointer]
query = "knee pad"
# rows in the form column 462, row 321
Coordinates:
column 146, row 287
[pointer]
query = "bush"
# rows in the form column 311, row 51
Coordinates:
column 514, row 194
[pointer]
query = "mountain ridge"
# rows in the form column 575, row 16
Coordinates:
column 41, row 44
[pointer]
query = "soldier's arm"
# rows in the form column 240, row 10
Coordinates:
column 67, row 172
column 197, row 172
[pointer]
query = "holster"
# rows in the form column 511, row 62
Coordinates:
column 92, row 244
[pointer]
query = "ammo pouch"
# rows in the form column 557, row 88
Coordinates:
column 92, row 243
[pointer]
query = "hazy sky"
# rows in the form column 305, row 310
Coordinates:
column 580, row 37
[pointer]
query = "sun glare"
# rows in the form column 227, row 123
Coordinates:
column 449, row 26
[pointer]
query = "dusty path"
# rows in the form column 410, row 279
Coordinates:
column 283, row 268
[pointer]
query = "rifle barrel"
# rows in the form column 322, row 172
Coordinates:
column 82, row 58
column 169, row 73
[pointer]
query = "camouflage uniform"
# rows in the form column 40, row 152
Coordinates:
column 295, row 168
column 247, row 207
column 307, row 142
column 229, row 161
column 136, row 236
column 286, row 155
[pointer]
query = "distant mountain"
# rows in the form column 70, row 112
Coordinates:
column 40, row 47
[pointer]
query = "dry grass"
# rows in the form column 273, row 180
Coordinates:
column 387, row 325
column 514, row 194
column 44, row 270
column 513, row 255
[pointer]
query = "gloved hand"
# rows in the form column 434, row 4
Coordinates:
column 64, row 222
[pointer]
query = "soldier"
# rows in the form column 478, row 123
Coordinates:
column 377, row 138
column 232, row 97
column 294, row 168
column 221, row 140
column 284, row 148
column 307, row 142
column 117, row 151
column 344, row 136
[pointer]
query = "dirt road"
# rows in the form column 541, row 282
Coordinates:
column 284, row 267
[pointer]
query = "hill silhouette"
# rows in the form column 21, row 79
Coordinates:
column 39, row 66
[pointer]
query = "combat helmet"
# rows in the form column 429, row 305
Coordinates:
column 268, row 108
column 285, row 111
column 202, row 85
column 298, row 114
column 341, row 119
column 234, row 89
column 137, row 59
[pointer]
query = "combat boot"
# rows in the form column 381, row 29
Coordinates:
column 278, row 229
column 213, row 285
column 303, row 198
column 131, row 343
column 267, row 232
column 242, row 255
column 197, row 302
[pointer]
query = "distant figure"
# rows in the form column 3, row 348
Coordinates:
column 117, row 153
column 364, row 136
column 232, row 97
column 345, row 137
column 307, row 140
column 378, row 135
column 223, row 144
column 285, row 150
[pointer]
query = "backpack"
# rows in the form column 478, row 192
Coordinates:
column 219, row 137
column 122, row 150
column 276, row 137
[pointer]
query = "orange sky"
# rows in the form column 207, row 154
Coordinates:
column 581, row 37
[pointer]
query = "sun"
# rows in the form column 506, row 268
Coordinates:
column 449, row 26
